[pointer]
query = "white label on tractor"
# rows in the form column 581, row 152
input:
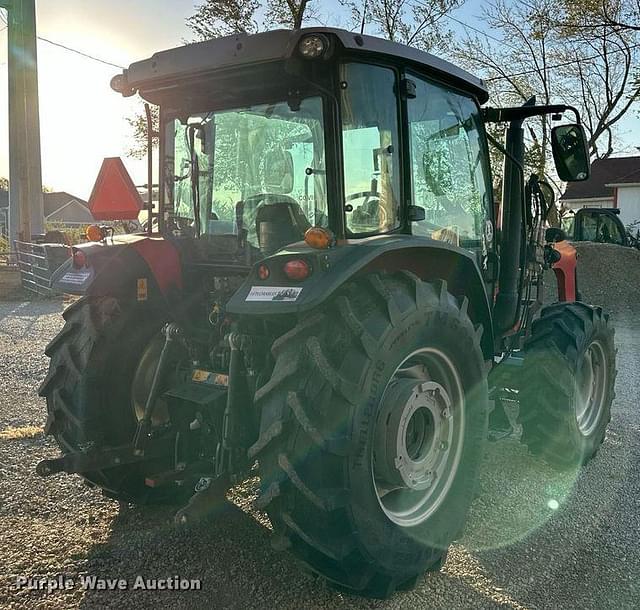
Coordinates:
column 76, row 277
column 273, row 293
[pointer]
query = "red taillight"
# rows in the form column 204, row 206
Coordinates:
column 263, row 272
column 79, row 259
column 297, row 269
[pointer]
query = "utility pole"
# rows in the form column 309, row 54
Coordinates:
column 26, row 212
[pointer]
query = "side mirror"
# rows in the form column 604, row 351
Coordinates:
column 278, row 171
column 569, row 145
column 554, row 234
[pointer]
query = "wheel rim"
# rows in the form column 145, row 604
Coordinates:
column 418, row 437
column 142, row 381
column 592, row 385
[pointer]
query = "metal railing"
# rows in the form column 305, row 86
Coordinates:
column 37, row 263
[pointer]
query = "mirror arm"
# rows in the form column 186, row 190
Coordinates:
column 519, row 113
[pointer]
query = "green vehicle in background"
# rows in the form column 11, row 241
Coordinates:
column 601, row 225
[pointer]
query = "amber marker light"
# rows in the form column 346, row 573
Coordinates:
column 94, row 233
column 320, row 238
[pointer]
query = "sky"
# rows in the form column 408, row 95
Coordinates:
column 81, row 119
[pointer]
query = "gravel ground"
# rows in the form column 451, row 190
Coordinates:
column 534, row 540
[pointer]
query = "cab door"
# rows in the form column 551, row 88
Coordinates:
column 601, row 226
column 450, row 176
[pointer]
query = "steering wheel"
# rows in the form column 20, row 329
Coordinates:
column 370, row 207
column 364, row 194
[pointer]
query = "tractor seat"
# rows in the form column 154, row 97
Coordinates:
column 279, row 224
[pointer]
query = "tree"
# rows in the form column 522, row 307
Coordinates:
column 411, row 22
column 138, row 123
column 601, row 81
column 518, row 69
column 544, row 55
column 216, row 18
column 601, row 24
column 290, row 14
column 620, row 15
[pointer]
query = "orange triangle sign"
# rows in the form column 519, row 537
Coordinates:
column 114, row 196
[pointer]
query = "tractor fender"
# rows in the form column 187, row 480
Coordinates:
column 129, row 267
column 331, row 268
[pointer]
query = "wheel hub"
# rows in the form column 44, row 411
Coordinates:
column 418, row 437
column 592, row 385
column 414, row 433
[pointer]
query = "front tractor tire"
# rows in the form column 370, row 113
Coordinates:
column 373, row 426
column 89, row 389
column 567, row 384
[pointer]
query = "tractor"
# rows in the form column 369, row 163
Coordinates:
column 327, row 295
column 601, row 225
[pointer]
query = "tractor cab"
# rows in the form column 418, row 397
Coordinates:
column 265, row 136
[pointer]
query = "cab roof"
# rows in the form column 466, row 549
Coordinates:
column 166, row 67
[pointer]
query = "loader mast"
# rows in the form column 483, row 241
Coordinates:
column 514, row 241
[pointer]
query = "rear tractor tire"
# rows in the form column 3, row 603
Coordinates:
column 567, row 384
column 373, row 427
column 95, row 387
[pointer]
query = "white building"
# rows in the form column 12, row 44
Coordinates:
column 614, row 183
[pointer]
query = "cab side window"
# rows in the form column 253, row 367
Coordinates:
column 609, row 231
column 371, row 148
column 449, row 173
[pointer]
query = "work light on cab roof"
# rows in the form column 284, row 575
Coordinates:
column 313, row 46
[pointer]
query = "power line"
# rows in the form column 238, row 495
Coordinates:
column 3, row 19
column 561, row 65
column 466, row 25
column 82, row 53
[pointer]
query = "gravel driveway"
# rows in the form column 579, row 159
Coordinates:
column 534, row 540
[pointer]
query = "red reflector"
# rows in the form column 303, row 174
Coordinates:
column 79, row 259
column 297, row 270
column 263, row 272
